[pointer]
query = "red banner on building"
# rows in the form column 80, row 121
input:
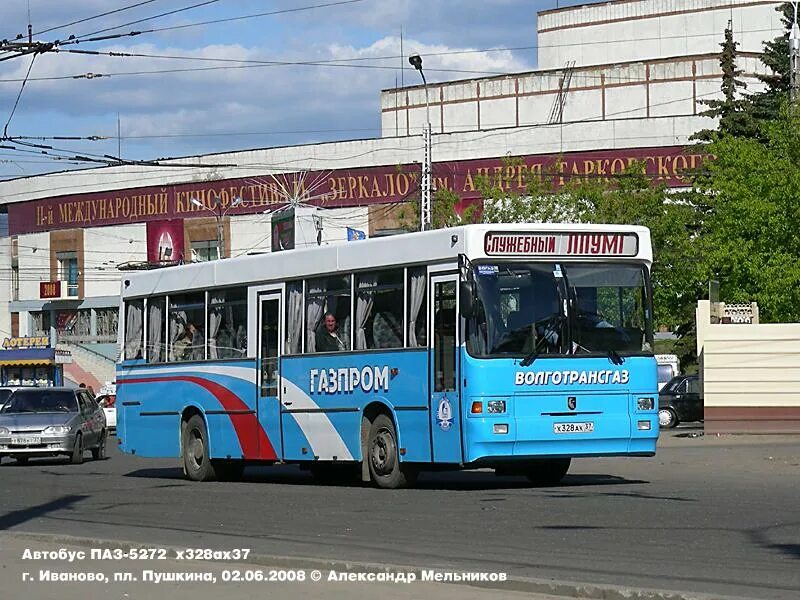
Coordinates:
column 165, row 241
column 341, row 188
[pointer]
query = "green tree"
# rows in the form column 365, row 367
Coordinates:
column 734, row 111
column 447, row 210
column 751, row 234
column 766, row 105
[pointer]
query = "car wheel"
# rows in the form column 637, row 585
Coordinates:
column 548, row 471
column 196, row 463
column 667, row 418
column 21, row 460
column 228, row 470
column 99, row 453
column 383, row 458
column 77, row 451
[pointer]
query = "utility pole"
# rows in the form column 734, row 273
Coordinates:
column 794, row 55
column 427, row 165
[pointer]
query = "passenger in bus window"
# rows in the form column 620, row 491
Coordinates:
column 329, row 338
column 197, row 342
column 181, row 347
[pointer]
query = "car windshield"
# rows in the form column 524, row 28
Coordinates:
column 39, row 401
column 665, row 373
column 5, row 395
column 552, row 308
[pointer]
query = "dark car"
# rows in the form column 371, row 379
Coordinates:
column 680, row 400
column 51, row 422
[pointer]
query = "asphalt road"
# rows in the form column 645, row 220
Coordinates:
column 706, row 515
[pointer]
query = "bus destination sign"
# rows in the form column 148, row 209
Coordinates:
column 561, row 244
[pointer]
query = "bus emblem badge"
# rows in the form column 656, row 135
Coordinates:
column 572, row 402
column 445, row 415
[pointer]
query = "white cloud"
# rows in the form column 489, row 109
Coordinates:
column 269, row 98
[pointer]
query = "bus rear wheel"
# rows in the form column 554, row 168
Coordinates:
column 196, row 463
column 383, row 457
column 548, row 471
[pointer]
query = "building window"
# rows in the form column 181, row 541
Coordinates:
column 205, row 251
column 68, row 271
column 107, row 324
column 40, row 323
column 15, row 283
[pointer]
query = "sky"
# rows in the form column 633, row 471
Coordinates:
column 215, row 106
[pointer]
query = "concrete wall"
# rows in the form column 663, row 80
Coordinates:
column 751, row 376
column 5, row 286
column 104, row 249
column 34, row 264
column 638, row 90
column 632, row 30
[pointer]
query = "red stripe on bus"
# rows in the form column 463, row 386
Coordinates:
column 252, row 437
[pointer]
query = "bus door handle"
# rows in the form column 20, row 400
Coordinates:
column 287, row 403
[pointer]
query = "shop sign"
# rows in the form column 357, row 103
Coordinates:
column 22, row 343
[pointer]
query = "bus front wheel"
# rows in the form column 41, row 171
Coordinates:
column 548, row 471
column 196, row 463
column 382, row 455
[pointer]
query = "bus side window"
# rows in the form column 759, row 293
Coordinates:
column 417, row 307
column 444, row 333
column 156, row 326
column 134, row 329
column 379, row 310
column 227, row 323
column 186, row 320
column 294, row 317
column 328, row 295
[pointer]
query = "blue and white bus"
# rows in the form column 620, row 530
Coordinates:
column 513, row 347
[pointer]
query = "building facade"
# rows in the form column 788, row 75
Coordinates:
column 632, row 91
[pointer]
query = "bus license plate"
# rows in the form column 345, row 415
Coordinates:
column 20, row 440
column 587, row 427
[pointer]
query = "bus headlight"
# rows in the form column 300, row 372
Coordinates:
column 496, row 406
column 645, row 403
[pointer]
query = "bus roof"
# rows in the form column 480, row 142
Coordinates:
column 555, row 241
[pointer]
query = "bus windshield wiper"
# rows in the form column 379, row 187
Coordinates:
column 614, row 357
column 529, row 358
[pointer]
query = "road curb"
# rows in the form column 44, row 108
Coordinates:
column 552, row 587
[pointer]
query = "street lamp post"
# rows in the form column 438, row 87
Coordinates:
column 427, row 168
column 219, row 214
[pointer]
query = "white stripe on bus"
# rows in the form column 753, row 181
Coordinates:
column 325, row 441
column 246, row 373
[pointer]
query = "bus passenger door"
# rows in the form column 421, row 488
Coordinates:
column 445, row 407
column 269, row 350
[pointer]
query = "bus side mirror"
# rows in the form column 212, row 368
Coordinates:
column 467, row 298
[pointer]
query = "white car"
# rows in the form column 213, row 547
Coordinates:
column 108, row 403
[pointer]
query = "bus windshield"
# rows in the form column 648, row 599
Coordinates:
column 557, row 308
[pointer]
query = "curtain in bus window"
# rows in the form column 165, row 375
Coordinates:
column 177, row 333
column 214, row 321
column 133, row 330
column 294, row 317
column 315, row 307
column 416, row 296
column 155, row 329
column 365, row 300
